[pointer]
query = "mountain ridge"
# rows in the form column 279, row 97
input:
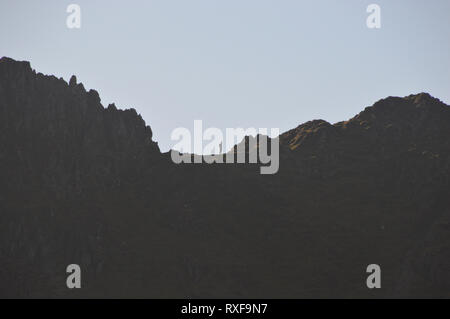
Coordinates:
column 419, row 99
column 85, row 184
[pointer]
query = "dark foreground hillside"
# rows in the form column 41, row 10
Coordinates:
column 84, row 184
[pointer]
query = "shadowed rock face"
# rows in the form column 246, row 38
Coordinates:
column 84, row 184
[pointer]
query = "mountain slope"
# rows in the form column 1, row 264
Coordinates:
column 87, row 185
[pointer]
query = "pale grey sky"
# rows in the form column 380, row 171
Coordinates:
column 236, row 63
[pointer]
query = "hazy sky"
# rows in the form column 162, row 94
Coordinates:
column 236, row 63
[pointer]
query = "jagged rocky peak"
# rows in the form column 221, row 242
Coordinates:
column 68, row 107
column 73, row 81
column 297, row 136
column 5, row 61
column 112, row 107
column 94, row 96
column 14, row 69
column 420, row 111
column 424, row 99
column 398, row 106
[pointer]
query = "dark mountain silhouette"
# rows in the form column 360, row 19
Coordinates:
column 84, row 184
